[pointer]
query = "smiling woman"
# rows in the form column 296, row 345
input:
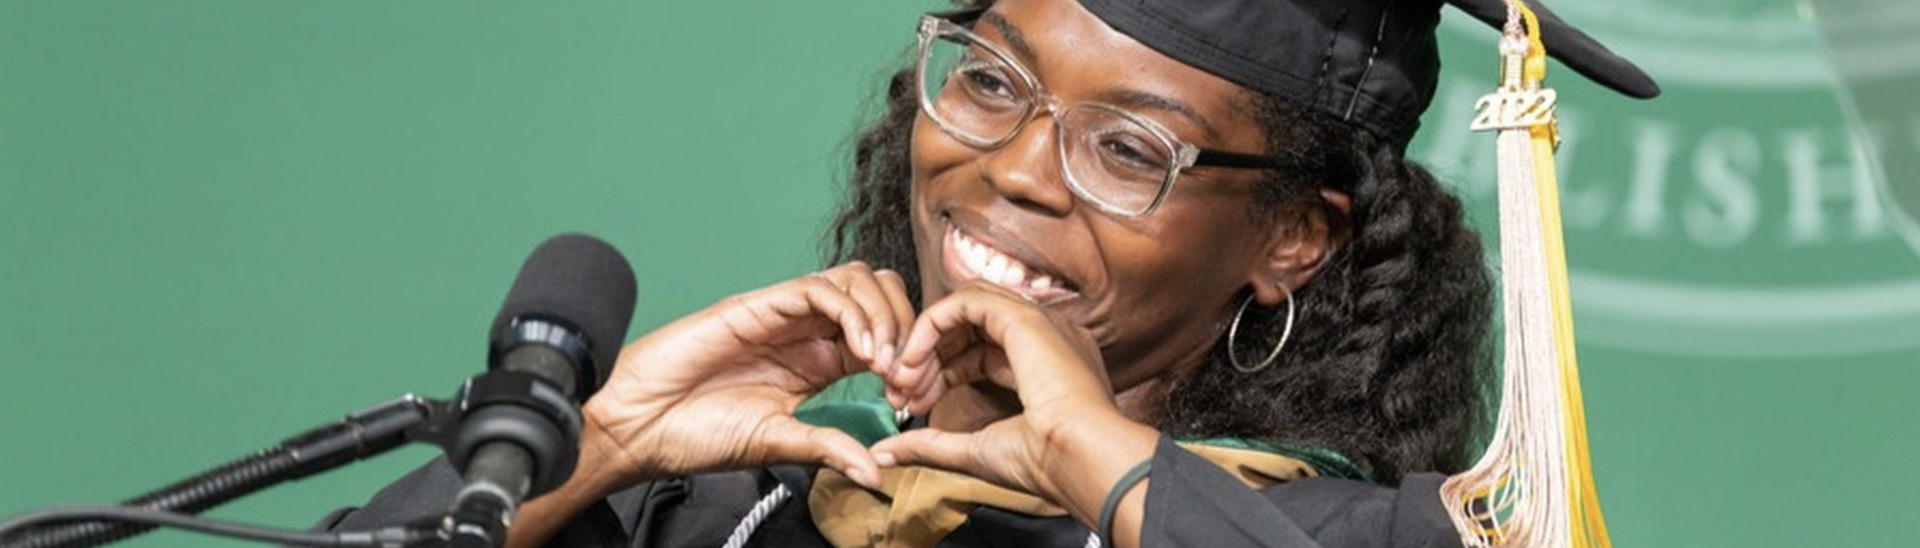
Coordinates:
column 1157, row 290
column 1130, row 274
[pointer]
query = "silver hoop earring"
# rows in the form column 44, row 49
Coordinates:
column 1233, row 333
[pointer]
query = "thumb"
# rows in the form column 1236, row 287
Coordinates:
column 789, row 440
column 927, row 447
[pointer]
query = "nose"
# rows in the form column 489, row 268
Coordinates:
column 1027, row 168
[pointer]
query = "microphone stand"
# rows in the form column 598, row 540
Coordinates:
column 366, row 433
column 512, row 432
column 452, row 425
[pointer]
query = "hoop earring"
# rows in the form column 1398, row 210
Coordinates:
column 1233, row 333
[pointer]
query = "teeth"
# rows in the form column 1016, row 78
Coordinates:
column 1042, row 282
column 998, row 268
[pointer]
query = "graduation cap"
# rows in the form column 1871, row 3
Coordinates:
column 1373, row 63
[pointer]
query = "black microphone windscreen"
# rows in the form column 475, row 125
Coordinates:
column 580, row 279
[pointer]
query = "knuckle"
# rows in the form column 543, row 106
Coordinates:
column 817, row 282
column 820, row 440
column 824, row 285
column 975, row 293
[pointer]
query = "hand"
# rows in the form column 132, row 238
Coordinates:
column 985, row 332
column 716, row 390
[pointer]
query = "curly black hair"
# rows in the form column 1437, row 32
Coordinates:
column 1389, row 361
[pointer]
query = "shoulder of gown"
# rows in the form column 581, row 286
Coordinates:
column 1192, row 502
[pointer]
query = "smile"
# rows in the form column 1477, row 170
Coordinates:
column 968, row 258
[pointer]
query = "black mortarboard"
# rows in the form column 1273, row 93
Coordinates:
column 1371, row 62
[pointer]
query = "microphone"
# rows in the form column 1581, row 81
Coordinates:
column 512, row 432
column 553, row 344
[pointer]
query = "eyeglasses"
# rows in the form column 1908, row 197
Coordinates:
column 1117, row 160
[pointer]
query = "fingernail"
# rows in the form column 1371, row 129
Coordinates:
column 885, row 358
column 886, row 459
column 866, row 344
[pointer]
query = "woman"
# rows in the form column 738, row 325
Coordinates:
column 1075, row 237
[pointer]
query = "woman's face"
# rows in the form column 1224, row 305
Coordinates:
column 1155, row 291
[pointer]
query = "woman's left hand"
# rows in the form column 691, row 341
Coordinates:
column 1070, row 441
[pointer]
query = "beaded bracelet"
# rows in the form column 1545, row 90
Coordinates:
column 1133, row 477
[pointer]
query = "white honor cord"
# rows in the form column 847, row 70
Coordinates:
column 758, row 515
column 779, row 496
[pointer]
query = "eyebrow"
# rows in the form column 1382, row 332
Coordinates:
column 1121, row 97
column 1014, row 38
column 1143, row 100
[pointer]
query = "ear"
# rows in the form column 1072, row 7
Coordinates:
column 1299, row 246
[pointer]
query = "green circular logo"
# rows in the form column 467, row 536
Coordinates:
column 1740, row 215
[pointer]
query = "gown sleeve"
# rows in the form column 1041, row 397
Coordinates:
column 1192, row 502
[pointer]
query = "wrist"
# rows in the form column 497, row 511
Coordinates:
column 605, row 465
column 594, row 477
column 1087, row 457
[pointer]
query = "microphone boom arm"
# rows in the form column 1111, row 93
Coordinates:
column 366, row 433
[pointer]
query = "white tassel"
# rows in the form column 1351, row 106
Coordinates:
column 1532, row 486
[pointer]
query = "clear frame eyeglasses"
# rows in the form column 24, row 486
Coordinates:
column 1117, row 160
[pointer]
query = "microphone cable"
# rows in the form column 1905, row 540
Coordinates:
column 398, row 536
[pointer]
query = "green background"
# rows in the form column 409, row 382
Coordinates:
column 222, row 222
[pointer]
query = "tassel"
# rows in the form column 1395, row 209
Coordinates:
column 1534, row 485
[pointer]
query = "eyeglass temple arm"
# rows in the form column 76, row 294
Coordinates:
column 1217, row 158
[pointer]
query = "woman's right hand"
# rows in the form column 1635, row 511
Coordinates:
column 716, row 390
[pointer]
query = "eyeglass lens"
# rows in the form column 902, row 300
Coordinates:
column 982, row 98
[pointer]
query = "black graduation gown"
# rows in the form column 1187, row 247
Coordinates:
column 1190, row 502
